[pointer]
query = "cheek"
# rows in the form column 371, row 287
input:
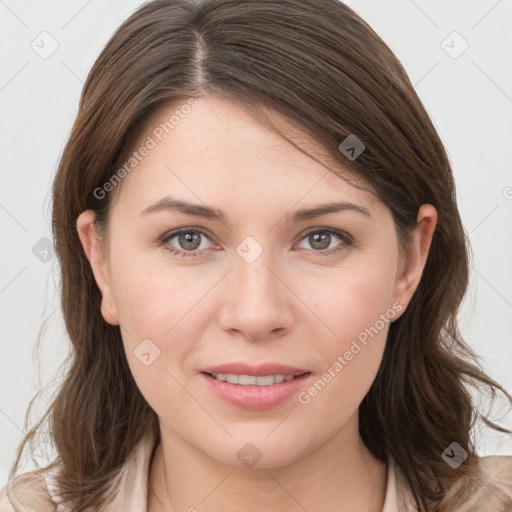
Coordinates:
column 146, row 291
column 162, row 310
column 152, row 305
column 355, row 306
column 360, row 315
column 352, row 298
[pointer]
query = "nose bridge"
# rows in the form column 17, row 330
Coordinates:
column 252, row 273
column 257, row 299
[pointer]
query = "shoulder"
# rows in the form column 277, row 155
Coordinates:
column 497, row 465
column 497, row 470
column 489, row 488
column 27, row 491
column 38, row 490
column 5, row 503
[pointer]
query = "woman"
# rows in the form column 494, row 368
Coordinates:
column 262, row 262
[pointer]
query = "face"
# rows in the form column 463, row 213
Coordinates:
column 256, row 283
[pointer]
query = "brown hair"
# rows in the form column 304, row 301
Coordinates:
column 321, row 66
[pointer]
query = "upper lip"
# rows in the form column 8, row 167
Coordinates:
column 258, row 371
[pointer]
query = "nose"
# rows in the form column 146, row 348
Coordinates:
column 258, row 304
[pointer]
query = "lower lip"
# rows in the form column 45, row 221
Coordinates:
column 256, row 398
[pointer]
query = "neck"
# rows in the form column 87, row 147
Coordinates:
column 341, row 476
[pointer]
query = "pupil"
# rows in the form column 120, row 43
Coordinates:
column 188, row 238
column 318, row 237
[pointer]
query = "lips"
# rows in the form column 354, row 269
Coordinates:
column 257, row 397
column 258, row 370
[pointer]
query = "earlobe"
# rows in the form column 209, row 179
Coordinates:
column 412, row 264
column 95, row 254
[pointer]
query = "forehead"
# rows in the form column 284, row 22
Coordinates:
column 216, row 152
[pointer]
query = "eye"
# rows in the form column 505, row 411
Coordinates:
column 188, row 239
column 320, row 239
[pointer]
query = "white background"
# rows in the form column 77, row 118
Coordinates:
column 469, row 99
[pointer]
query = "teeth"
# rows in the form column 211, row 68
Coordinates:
column 252, row 380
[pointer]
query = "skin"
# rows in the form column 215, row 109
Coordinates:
column 291, row 305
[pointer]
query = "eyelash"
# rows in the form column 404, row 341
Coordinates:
column 345, row 237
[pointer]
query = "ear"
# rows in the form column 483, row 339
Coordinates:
column 412, row 264
column 94, row 251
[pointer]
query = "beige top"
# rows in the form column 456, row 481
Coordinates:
column 132, row 487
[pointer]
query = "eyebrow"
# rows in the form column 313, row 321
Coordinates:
column 170, row 204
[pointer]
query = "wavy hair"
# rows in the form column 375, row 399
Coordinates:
column 320, row 66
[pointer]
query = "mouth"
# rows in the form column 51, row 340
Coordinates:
column 253, row 380
column 255, row 392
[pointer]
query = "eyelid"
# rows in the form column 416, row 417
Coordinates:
column 173, row 232
column 336, row 231
column 164, row 239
